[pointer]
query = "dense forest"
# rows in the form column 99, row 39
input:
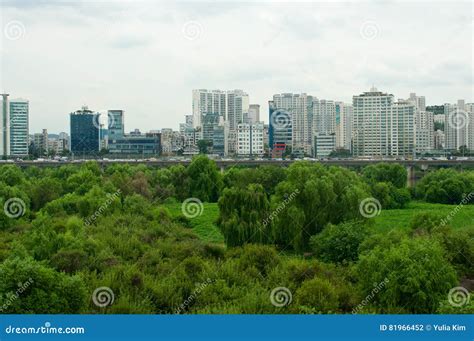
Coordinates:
column 86, row 239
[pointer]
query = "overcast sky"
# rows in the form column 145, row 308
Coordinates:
column 146, row 57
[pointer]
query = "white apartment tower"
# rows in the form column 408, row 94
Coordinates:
column 424, row 131
column 324, row 116
column 403, row 128
column 207, row 101
column 344, row 113
column 457, row 121
column 372, row 123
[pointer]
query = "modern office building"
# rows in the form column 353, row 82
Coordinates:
column 5, row 126
column 324, row 144
column 209, row 122
column 280, row 132
column 85, row 135
column 372, row 124
column 142, row 145
column 116, row 127
column 219, row 141
column 19, row 127
column 250, row 139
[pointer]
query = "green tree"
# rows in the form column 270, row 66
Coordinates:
column 339, row 243
column 205, row 180
column 395, row 174
column 413, row 276
column 27, row 286
column 311, row 197
column 243, row 216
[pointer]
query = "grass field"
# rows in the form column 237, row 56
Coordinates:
column 389, row 219
column 205, row 226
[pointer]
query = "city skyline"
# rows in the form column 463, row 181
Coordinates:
column 146, row 59
column 264, row 109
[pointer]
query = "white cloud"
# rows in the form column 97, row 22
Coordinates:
column 134, row 56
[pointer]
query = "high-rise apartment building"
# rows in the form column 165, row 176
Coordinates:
column 424, row 131
column 457, row 121
column 19, row 123
column 324, row 116
column 208, row 101
column 232, row 105
column 344, row 113
column 300, row 109
column 372, row 124
column 382, row 127
column 418, row 101
column 254, row 113
column 402, row 137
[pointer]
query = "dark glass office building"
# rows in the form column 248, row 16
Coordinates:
column 85, row 132
column 280, row 130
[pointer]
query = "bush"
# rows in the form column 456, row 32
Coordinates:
column 339, row 243
column 41, row 291
column 317, row 296
column 416, row 273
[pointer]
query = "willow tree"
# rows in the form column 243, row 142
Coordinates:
column 205, row 180
column 311, row 197
column 243, row 215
